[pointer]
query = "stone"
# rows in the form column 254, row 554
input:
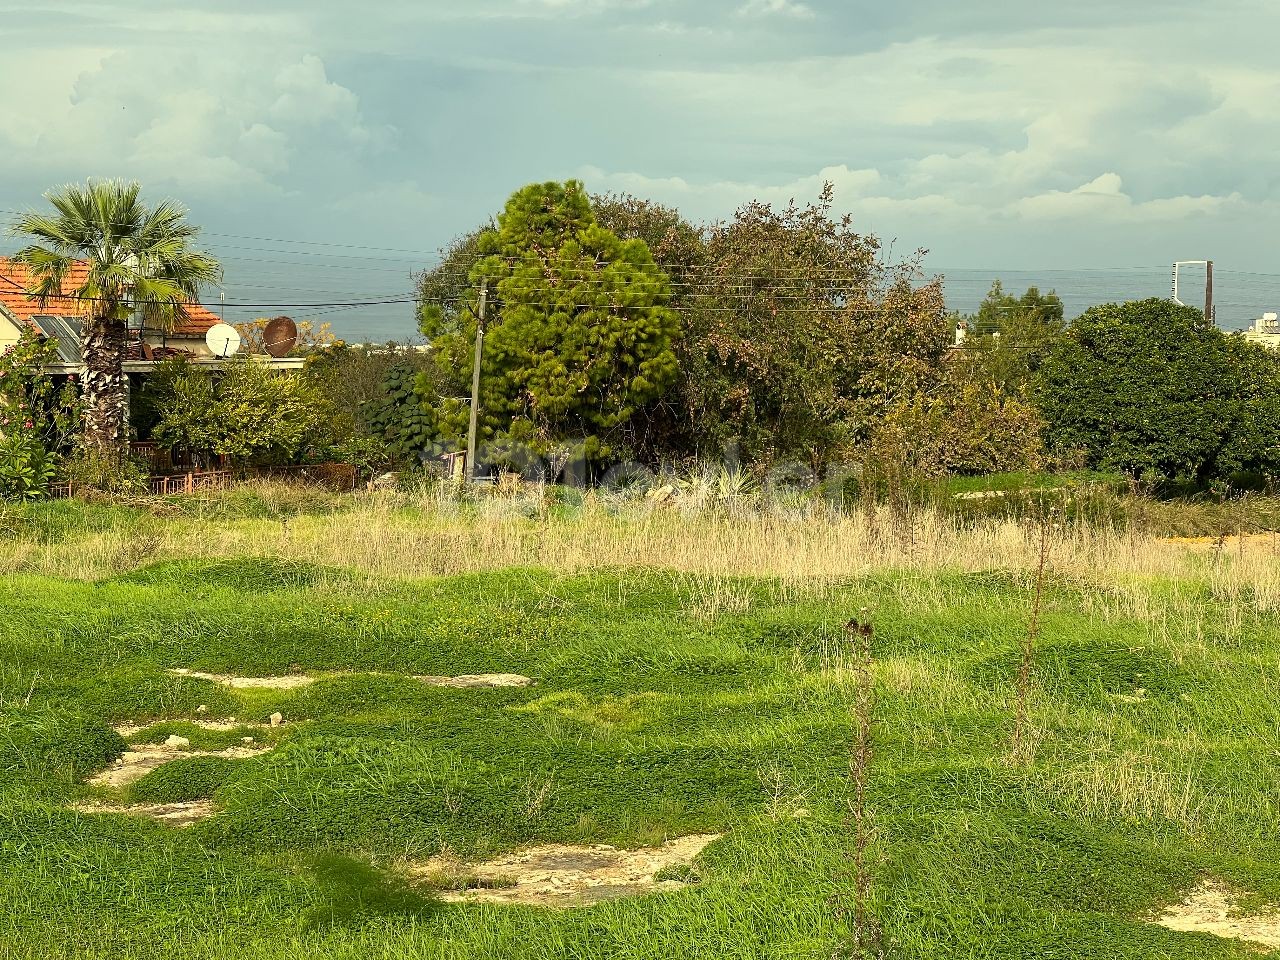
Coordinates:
column 277, row 719
column 203, row 708
column 176, row 742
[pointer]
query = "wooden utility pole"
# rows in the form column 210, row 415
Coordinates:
column 1208, row 293
column 475, row 383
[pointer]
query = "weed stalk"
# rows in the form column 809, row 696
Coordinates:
column 867, row 939
column 1029, row 641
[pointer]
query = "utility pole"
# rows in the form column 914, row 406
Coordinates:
column 1208, row 293
column 475, row 382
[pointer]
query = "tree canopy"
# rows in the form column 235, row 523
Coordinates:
column 139, row 261
column 578, row 331
column 1150, row 388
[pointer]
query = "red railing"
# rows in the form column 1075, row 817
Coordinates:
column 190, row 482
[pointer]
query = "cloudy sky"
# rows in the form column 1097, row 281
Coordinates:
column 1006, row 137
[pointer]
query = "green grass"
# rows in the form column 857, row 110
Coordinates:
column 650, row 718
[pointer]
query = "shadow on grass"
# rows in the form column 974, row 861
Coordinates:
column 355, row 893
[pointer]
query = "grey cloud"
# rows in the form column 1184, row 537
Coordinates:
column 968, row 128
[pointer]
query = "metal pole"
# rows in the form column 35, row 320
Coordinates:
column 1208, row 293
column 475, row 383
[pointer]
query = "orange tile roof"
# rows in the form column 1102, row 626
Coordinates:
column 15, row 281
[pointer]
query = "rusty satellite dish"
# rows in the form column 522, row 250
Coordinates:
column 280, row 336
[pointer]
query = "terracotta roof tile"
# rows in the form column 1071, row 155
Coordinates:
column 15, row 281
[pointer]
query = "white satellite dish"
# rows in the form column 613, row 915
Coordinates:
column 223, row 340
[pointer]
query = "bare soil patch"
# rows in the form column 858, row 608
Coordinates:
column 560, row 877
column 172, row 814
column 288, row 682
column 1211, row 908
column 144, row 758
column 295, row 680
column 222, row 726
column 479, row 680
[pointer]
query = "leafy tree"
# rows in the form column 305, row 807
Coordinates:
column 579, row 335
column 250, row 414
column 668, row 429
column 801, row 338
column 140, row 261
column 1149, row 387
column 1011, row 336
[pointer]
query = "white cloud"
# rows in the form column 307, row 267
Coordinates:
column 1104, row 199
column 205, row 125
column 768, row 8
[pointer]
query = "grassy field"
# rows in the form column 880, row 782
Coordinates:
column 691, row 677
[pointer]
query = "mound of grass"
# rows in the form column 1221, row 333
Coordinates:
column 253, row 574
column 47, row 740
column 188, row 778
column 355, row 894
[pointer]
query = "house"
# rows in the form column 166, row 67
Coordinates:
column 1265, row 331
column 62, row 319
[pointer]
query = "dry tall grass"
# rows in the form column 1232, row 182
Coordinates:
column 805, row 544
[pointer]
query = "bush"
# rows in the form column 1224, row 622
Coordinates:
column 1151, row 389
column 966, row 427
column 25, row 467
column 93, row 470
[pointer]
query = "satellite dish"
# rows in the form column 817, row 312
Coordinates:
column 223, row 340
column 280, row 336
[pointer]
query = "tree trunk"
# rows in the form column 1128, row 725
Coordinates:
column 104, row 393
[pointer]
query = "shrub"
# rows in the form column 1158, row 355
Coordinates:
column 968, row 426
column 33, row 738
column 1151, row 389
column 93, row 470
column 25, row 467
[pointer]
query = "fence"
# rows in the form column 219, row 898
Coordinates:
column 336, row 476
column 190, row 482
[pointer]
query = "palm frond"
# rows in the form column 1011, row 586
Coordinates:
column 134, row 254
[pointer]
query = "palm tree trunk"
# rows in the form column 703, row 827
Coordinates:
column 103, row 392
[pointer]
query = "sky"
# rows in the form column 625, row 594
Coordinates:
column 329, row 149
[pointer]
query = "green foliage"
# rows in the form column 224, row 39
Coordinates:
column 250, row 413
column 35, row 418
column 964, row 426
column 184, row 779
column 351, row 383
column 90, row 469
column 25, row 467
column 1010, row 337
column 46, row 739
column 1150, row 389
column 579, row 335
column 402, row 419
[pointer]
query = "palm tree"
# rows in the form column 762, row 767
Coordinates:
column 126, row 259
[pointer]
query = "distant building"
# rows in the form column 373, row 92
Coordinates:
column 1265, row 331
